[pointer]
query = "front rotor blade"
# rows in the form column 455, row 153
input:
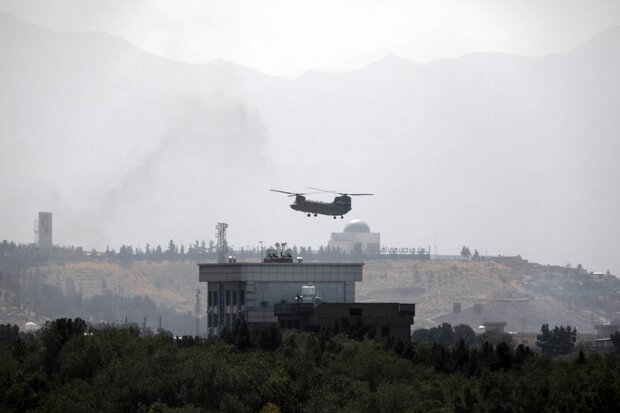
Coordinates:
column 358, row 194
column 283, row 192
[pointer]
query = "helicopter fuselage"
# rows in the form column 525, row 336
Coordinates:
column 340, row 206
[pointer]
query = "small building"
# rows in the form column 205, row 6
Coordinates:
column 249, row 290
column 602, row 345
column 383, row 320
column 356, row 237
column 527, row 339
column 494, row 327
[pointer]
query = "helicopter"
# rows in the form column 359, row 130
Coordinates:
column 339, row 207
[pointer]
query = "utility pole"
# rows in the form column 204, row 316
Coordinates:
column 197, row 310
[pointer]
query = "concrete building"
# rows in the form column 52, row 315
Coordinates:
column 381, row 320
column 250, row 290
column 356, row 236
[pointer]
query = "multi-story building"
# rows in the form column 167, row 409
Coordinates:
column 249, row 290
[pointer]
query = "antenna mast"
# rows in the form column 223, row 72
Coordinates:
column 222, row 246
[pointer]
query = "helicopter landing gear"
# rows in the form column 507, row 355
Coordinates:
column 315, row 214
column 308, row 214
column 341, row 216
column 334, row 216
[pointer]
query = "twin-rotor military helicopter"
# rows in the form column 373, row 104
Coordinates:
column 339, row 207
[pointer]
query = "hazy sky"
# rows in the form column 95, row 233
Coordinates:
column 495, row 152
column 289, row 37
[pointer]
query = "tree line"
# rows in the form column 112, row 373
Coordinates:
column 18, row 255
column 70, row 366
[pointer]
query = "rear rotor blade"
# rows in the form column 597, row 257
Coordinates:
column 336, row 192
column 323, row 190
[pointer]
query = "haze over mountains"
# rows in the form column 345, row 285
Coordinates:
column 506, row 154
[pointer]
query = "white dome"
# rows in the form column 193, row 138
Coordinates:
column 357, row 225
column 30, row 326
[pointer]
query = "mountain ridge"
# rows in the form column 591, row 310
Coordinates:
column 605, row 37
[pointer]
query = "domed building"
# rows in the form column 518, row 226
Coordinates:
column 356, row 236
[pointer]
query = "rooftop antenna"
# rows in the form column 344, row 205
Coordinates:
column 222, row 246
column 36, row 232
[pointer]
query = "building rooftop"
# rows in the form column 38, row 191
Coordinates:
column 281, row 271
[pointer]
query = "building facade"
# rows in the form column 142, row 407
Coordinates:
column 250, row 291
column 380, row 320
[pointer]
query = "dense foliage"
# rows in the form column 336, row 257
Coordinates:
column 556, row 341
column 68, row 366
column 446, row 334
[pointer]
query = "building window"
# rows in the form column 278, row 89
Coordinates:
column 355, row 312
column 215, row 300
column 234, row 296
column 209, row 298
column 227, row 297
column 241, row 297
column 385, row 331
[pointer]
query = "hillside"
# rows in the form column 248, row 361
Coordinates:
column 523, row 294
column 513, row 290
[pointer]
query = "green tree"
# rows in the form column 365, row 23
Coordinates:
column 560, row 340
column 172, row 251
